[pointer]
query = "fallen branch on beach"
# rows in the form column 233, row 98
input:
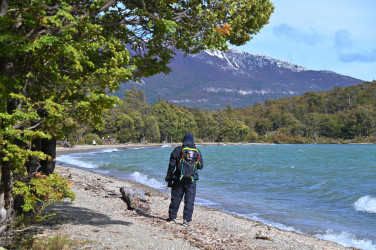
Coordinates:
column 135, row 199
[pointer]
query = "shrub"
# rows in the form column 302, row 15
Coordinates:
column 88, row 139
column 40, row 191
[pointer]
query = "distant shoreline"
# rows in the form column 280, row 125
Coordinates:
column 88, row 148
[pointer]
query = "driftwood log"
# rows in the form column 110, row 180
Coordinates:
column 135, row 199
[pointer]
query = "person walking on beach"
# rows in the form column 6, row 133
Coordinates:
column 182, row 177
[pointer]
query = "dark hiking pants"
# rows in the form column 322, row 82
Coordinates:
column 180, row 189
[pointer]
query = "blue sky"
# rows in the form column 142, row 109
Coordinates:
column 336, row 35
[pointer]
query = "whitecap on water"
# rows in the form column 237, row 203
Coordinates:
column 146, row 180
column 366, row 204
column 204, row 202
column 74, row 161
column 109, row 150
column 271, row 223
column 347, row 239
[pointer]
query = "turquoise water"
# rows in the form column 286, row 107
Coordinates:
column 328, row 191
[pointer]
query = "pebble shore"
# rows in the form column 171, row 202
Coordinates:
column 99, row 219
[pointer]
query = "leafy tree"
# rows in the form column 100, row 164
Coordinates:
column 228, row 124
column 136, row 105
column 167, row 119
column 263, row 125
column 125, row 128
column 59, row 59
column 185, row 123
column 151, row 129
column 111, row 128
column 207, row 125
column 90, row 137
column 366, row 117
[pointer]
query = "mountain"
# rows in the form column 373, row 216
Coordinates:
column 213, row 79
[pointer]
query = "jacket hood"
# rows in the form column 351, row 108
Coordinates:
column 188, row 138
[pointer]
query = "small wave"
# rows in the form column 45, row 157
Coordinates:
column 138, row 148
column 81, row 154
column 206, row 203
column 270, row 223
column 166, row 146
column 108, row 150
column 347, row 239
column 144, row 179
column 366, row 204
column 73, row 161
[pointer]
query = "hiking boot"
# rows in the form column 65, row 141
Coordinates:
column 171, row 220
column 186, row 223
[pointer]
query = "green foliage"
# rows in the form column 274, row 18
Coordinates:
column 43, row 189
column 208, row 129
column 132, row 120
column 26, row 240
column 309, row 118
column 167, row 119
column 322, row 117
column 90, row 137
column 56, row 242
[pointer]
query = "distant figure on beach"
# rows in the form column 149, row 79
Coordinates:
column 94, row 143
column 182, row 177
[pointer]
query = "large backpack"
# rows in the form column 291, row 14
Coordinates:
column 190, row 158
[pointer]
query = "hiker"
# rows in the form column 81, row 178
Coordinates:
column 183, row 183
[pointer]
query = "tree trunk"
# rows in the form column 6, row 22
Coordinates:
column 3, row 7
column 46, row 167
column 49, row 148
column 6, row 197
column 143, row 139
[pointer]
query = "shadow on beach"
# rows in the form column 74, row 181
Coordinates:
column 67, row 213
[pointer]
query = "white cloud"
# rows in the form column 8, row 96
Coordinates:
column 366, row 57
column 310, row 38
column 342, row 39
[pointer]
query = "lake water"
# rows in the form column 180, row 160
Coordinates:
column 328, row 191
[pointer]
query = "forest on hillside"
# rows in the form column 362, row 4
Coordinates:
column 341, row 115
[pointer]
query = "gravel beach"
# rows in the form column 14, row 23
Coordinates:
column 99, row 219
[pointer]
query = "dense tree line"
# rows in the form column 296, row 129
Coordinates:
column 330, row 116
column 339, row 115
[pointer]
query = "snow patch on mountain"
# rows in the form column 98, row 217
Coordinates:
column 245, row 91
column 240, row 62
column 180, row 101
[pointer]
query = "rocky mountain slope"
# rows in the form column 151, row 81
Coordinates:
column 213, row 79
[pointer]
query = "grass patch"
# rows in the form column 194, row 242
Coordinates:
column 26, row 240
column 56, row 242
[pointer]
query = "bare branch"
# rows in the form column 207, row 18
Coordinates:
column 35, row 126
column 106, row 6
column 20, row 125
column 23, row 123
